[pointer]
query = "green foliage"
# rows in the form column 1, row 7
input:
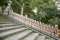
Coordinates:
column 42, row 4
column 15, row 7
column 47, row 11
column 3, row 4
column 54, row 21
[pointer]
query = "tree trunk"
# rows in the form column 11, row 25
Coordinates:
column 22, row 9
column 2, row 10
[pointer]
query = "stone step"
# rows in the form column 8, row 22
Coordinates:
column 43, row 37
column 48, row 38
column 2, row 26
column 19, row 35
column 6, row 24
column 25, row 36
column 11, row 27
column 36, row 37
column 31, row 36
column 7, row 36
column 40, row 37
column 11, row 31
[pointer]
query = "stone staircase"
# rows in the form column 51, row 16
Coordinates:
column 13, row 31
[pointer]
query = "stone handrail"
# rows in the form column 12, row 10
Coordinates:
column 34, row 23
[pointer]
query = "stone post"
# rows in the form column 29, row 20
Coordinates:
column 56, row 30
